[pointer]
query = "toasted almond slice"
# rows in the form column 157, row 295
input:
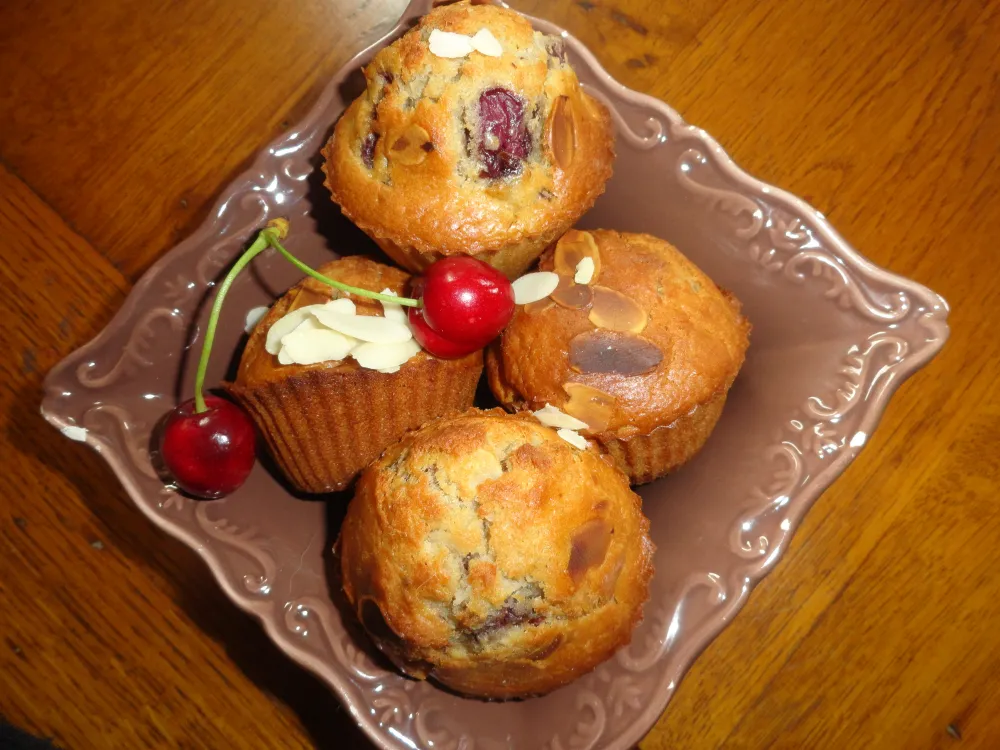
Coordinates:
column 573, row 247
column 534, row 286
column 375, row 356
column 572, row 295
column 371, row 328
column 342, row 305
column 285, row 325
column 310, row 344
column 485, row 43
column 550, row 416
column 614, row 352
column 594, row 407
column 573, row 438
column 449, row 44
column 254, row 314
column 617, row 312
column 391, row 310
column 584, row 271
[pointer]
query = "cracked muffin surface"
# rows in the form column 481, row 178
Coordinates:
column 484, row 551
column 493, row 157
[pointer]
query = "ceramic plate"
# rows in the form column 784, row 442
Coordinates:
column 833, row 337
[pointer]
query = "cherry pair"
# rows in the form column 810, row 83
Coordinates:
column 461, row 304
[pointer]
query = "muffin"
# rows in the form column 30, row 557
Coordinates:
column 326, row 420
column 476, row 154
column 489, row 554
column 635, row 341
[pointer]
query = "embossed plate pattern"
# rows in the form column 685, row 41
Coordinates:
column 833, row 337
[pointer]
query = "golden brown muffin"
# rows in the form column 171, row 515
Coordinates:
column 325, row 422
column 493, row 157
column 487, row 553
column 644, row 353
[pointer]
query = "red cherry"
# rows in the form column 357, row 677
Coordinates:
column 465, row 300
column 209, row 454
column 433, row 341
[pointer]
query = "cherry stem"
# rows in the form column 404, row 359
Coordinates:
column 404, row 301
column 271, row 236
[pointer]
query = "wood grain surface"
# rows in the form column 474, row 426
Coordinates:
column 121, row 119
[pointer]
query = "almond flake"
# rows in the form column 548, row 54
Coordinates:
column 584, row 271
column 485, row 43
column 449, row 44
column 550, row 416
column 254, row 315
column 534, row 286
column 365, row 327
column 342, row 305
column 310, row 344
column 391, row 310
column 285, row 325
column 573, row 438
column 376, row 356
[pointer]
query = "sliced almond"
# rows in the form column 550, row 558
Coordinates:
column 410, row 146
column 604, row 351
column 572, row 295
column 588, row 547
column 285, row 325
column 370, row 328
column 534, row 286
column 572, row 248
column 561, row 129
column 342, row 305
column 485, row 43
column 616, row 311
column 391, row 310
column 311, row 345
column 376, row 356
column 550, row 416
column 573, row 438
column 449, row 44
column 254, row 315
column 584, row 271
column 590, row 405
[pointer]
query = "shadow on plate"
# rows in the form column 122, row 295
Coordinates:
column 321, row 714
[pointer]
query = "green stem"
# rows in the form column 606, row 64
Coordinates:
column 404, row 301
column 271, row 236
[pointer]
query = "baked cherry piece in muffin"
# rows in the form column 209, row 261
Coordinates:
column 488, row 553
column 472, row 137
column 635, row 341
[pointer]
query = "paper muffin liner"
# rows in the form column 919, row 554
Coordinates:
column 512, row 259
column 324, row 425
column 645, row 457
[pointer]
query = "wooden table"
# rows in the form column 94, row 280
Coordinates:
column 121, row 119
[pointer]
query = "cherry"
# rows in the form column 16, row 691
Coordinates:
column 433, row 341
column 465, row 300
column 504, row 139
column 209, row 453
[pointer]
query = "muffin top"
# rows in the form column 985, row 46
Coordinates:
column 462, row 154
column 258, row 365
column 485, row 535
column 646, row 338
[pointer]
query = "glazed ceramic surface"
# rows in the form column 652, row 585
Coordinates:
column 833, row 337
